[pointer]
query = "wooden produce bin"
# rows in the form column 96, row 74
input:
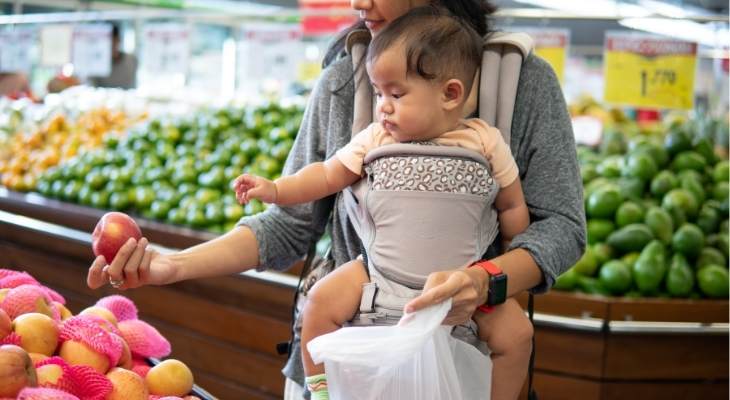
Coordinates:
column 593, row 347
column 226, row 329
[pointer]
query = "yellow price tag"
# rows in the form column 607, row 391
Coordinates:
column 308, row 71
column 552, row 46
column 555, row 56
column 646, row 71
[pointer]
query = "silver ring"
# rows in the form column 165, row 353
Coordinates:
column 116, row 284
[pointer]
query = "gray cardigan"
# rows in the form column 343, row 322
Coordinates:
column 542, row 144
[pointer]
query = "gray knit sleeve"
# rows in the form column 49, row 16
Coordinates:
column 545, row 153
column 285, row 233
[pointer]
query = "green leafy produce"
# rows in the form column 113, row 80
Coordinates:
column 680, row 277
column 713, row 281
column 599, row 229
column 604, row 202
column 688, row 240
column 629, row 213
column 710, row 256
column 660, row 223
column 615, row 276
column 631, row 237
column 180, row 170
column 650, row 268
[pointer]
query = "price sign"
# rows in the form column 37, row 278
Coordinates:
column 15, row 48
column 269, row 52
column 56, row 45
column 308, row 71
column 166, row 49
column 319, row 22
column 648, row 71
column 552, row 46
column 587, row 130
column 92, row 50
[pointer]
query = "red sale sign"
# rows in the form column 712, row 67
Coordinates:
column 323, row 17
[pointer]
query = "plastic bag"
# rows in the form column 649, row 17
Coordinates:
column 417, row 359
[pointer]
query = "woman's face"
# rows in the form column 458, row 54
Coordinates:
column 379, row 13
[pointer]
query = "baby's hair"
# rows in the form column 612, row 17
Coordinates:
column 437, row 46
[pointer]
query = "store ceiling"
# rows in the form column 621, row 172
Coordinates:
column 717, row 6
column 586, row 35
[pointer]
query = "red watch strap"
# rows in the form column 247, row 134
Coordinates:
column 491, row 269
column 488, row 266
column 485, row 309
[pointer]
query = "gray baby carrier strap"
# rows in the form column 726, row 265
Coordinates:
column 382, row 301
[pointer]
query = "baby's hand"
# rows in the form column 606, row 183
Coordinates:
column 249, row 187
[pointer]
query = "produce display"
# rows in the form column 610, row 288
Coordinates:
column 13, row 118
column 27, row 155
column 657, row 213
column 100, row 353
column 35, row 137
column 179, row 170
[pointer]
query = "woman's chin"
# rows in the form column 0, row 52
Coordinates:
column 374, row 27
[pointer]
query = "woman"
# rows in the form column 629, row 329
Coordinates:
column 541, row 142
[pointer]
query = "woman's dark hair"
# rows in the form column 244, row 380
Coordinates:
column 475, row 12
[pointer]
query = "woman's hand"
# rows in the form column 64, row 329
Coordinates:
column 134, row 265
column 466, row 287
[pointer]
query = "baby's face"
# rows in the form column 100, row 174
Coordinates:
column 408, row 107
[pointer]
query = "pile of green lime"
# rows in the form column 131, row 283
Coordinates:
column 657, row 214
column 180, row 170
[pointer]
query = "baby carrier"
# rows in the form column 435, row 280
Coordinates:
column 410, row 189
column 424, row 208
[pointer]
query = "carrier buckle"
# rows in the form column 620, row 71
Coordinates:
column 367, row 301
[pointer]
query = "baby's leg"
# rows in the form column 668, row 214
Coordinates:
column 330, row 303
column 508, row 333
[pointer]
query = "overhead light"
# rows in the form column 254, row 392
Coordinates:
column 235, row 7
column 662, row 8
column 713, row 35
column 593, row 7
column 672, row 10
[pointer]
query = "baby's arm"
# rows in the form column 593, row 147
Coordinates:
column 313, row 182
column 513, row 215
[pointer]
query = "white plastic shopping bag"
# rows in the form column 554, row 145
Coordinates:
column 417, row 359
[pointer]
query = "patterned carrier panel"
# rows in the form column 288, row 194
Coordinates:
column 427, row 212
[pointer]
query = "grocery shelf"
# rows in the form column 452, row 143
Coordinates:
column 586, row 324
column 688, row 328
column 85, row 218
column 588, row 347
column 541, row 319
column 85, row 239
column 645, row 327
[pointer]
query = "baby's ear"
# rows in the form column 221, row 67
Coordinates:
column 452, row 94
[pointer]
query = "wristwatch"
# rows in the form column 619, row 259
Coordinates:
column 497, row 285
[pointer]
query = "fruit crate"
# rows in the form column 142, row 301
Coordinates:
column 197, row 390
column 596, row 347
column 84, row 219
column 218, row 326
column 588, row 347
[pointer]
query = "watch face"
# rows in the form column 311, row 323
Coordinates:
column 497, row 290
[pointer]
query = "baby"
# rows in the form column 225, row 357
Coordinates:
column 421, row 67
